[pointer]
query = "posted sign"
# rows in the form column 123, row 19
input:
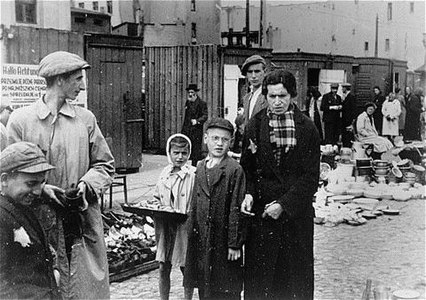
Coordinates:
column 21, row 85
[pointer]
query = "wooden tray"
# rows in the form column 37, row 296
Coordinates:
column 161, row 214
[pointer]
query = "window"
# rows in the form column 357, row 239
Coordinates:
column 387, row 45
column 26, row 11
column 109, row 7
column 411, row 7
column 193, row 31
column 389, row 11
column 95, row 5
column 81, row 5
column 366, row 46
column 192, row 5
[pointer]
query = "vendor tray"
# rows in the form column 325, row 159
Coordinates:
column 161, row 214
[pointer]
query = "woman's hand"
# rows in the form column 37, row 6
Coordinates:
column 273, row 210
column 247, row 205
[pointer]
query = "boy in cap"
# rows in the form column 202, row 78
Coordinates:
column 74, row 143
column 215, row 233
column 254, row 68
column 26, row 262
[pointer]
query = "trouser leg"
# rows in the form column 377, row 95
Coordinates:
column 164, row 280
column 188, row 291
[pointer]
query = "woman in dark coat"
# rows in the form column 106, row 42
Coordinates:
column 412, row 118
column 282, row 178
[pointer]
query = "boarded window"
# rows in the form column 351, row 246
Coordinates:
column 98, row 22
column 389, row 11
column 80, row 20
column 26, row 11
column 109, row 7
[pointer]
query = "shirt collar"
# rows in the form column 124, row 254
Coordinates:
column 43, row 110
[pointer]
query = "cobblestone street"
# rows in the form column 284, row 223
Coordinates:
column 389, row 250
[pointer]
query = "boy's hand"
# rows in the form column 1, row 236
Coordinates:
column 233, row 254
column 247, row 205
column 82, row 192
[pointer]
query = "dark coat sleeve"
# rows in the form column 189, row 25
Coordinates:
column 236, row 226
column 416, row 105
column 305, row 186
column 203, row 112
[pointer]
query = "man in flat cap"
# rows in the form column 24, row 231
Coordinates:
column 254, row 69
column 72, row 141
column 196, row 115
column 349, row 113
column 331, row 105
column 26, row 262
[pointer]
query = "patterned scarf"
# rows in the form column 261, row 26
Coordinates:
column 282, row 132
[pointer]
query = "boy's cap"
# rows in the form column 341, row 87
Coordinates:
column 346, row 84
column 334, row 85
column 60, row 62
column 220, row 123
column 23, row 157
column 254, row 59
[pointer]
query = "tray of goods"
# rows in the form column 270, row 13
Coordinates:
column 341, row 198
column 155, row 211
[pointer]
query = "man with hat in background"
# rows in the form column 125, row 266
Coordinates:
column 254, row 69
column 74, row 143
column 26, row 262
column 348, row 115
column 331, row 105
column 5, row 111
column 195, row 116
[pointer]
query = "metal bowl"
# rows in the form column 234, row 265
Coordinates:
column 381, row 170
column 380, row 163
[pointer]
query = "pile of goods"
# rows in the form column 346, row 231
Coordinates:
column 130, row 240
column 153, row 208
column 155, row 205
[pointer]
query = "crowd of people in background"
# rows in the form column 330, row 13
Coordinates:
column 340, row 119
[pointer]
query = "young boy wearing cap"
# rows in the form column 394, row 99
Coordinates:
column 26, row 262
column 216, row 233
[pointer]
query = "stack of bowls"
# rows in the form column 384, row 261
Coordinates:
column 410, row 178
column 381, row 167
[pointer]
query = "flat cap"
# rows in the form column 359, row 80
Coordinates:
column 192, row 86
column 346, row 84
column 220, row 123
column 254, row 59
column 334, row 85
column 23, row 157
column 60, row 62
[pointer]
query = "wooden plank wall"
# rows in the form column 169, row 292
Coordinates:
column 169, row 70
column 29, row 45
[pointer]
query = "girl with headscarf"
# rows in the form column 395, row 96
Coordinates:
column 173, row 192
column 391, row 110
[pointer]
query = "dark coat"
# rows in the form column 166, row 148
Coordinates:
column 196, row 109
column 412, row 118
column 261, row 103
column 279, row 253
column 378, row 116
column 25, row 272
column 348, row 110
column 330, row 116
column 215, row 225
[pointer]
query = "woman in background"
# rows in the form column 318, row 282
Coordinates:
column 312, row 106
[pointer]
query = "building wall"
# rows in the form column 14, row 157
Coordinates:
column 50, row 14
column 165, row 14
column 340, row 27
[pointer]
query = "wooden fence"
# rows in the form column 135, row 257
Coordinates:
column 169, row 70
column 29, row 45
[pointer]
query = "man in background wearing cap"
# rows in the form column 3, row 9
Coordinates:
column 215, row 233
column 195, row 116
column 75, row 145
column 331, row 105
column 5, row 111
column 26, row 262
column 348, row 115
column 254, row 68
